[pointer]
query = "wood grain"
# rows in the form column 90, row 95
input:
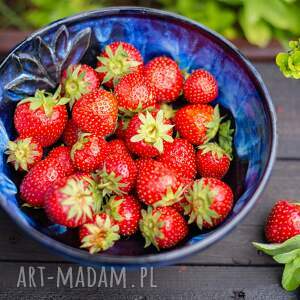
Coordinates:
column 171, row 283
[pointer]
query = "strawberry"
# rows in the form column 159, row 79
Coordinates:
column 99, row 234
column 158, row 185
column 200, row 87
column 283, row 222
column 118, row 175
column 134, row 93
column 42, row 117
column 70, row 201
column 89, row 152
column 37, row 181
column 142, row 162
column 71, row 133
column 63, row 155
column 79, row 80
column 116, row 60
column 209, row 201
column 212, row 161
column 126, row 212
column 96, row 112
column 118, row 146
column 148, row 133
column 180, row 156
column 24, row 153
column 165, row 77
column 198, row 123
column 163, row 227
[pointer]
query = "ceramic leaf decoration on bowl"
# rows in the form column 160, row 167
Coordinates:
column 42, row 67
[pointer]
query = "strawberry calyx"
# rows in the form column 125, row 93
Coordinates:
column 213, row 125
column 112, row 208
column 288, row 254
column 102, row 235
column 199, row 199
column 109, row 183
column 21, row 153
column 78, row 199
column 215, row 149
column 225, row 137
column 153, row 130
column 151, row 226
column 75, row 86
column 82, row 140
column 169, row 111
column 116, row 65
column 170, row 197
column 45, row 100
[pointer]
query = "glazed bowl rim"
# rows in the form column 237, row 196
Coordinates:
column 171, row 256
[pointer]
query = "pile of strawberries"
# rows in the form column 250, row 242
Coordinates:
column 122, row 158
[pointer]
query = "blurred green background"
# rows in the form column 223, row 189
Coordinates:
column 259, row 21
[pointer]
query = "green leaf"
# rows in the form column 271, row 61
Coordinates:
column 287, row 257
column 275, row 249
column 291, row 275
column 257, row 31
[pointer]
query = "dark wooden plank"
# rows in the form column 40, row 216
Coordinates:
column 171, row 283
column 285, row 94
column 235, row 249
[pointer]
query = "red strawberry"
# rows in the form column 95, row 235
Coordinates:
column 126, row 212
column 89, row 153
column 70, row 201
column 118, row 175
column 24, row 153
column 165, row 77
column 71, row 133
column 96, row 112
column 38, row 180
column 134, row 93
column 180, row 155
column 200, row 87
column 212, row 161
column 163, row 227
column 148, row 133
column 209, row 201
column 198, row 123
column 142, row 162
column 63, row 156
column 42, row 117
column 118, row 146
column 79, row 80
column 158, row 185
column 283, row 222
column 117, row 60
column 99, row 234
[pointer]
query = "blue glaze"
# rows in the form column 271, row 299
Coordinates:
column 38, row 62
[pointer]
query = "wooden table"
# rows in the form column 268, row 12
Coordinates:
column 230, row 269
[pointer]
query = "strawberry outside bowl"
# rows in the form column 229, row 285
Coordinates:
column 38, row 62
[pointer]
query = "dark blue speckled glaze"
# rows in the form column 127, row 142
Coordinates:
column 37, row 63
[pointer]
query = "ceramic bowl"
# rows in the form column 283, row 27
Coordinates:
column 37, row 63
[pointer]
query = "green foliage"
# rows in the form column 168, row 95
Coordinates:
column 289, row 62
column 258, row 20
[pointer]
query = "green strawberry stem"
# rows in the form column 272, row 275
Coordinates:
column 199, row 199
column 153, row 130
column 288, row 254
column 151, row 227
column 45, row 100
column 75, row 85
column 215, row 149
column 213, row 126
column 225, row 137
column 116, row 65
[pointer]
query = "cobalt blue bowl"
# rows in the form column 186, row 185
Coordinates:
column 37, row 63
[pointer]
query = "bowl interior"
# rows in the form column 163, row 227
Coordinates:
column 38, row 61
